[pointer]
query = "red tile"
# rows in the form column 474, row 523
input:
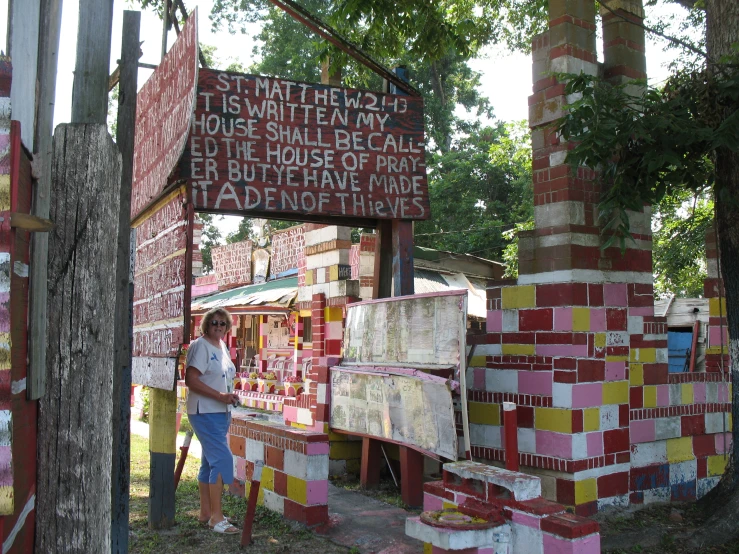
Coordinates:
column 525, row 417
column 280, row 483
column 595, row 295
column 615, row 440
column 623, row 415
column 589, row 371
column 692, row 425
column 703, row 466
column 565, row 363
column 614, row 484
column 577, row 421
column 616, row 319
column 535, row 320
column 636, row 397
column 704, row 445
column 275, row 457
column 566, row 492
column 569, row 526
column 565, row 376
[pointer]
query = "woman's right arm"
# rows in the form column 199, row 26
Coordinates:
column 193, row 382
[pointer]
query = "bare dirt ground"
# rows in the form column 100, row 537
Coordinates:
column 271, row 533
column 660, row 529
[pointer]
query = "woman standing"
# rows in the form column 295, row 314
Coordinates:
column 209, row 377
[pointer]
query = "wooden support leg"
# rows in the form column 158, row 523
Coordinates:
column 371, row 459
column 162, row 445
column 411, row 477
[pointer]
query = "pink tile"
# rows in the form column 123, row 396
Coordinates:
column 720, row 443
column 699, row 393
column 563, row 319
column 615, row 294
column 317, row 492
column 525, row 519
column 615, row 371
column 594, row 443
column 495, row 321
column 317, row 448
column 714, row 336
column 535, row 382
column 432, row 503
column 240, row 468
column 559, row 545
column 597, row 319
column 479, row 378
column 643, row 310
column 549, row 443
column 290, row 413
column 663, row 395
column 642, row 431
column 567, row 350
column 586, row 395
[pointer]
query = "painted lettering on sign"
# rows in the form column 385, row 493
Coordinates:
column 287, row 247
column 232, row 264
column 163, row 111
column 272, row 145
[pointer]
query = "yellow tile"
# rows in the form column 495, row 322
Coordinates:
column 428, row 548
column 643, row 355
column 553, row 419
column 591, row 419
column 650, row 396
column 478, row 361
column 617, row 358
column 616, row 392
column 484, row 414
column 717, row 465
column 686, row 393
column 715, row 309
column 600, row 342
column 717, row 350
column 297, row 490
column 586, row 491
column 518, row 349
column 268, row 478
column 4, row 193
column 581, row 319
column 333, row 273
column 345, row 450
column 446, row 505
column 333, row 314
column 309, row 280
column 680, row 450
column 298, row 425
column 260, row 494
column 518, row 297
column 636, row 375
column 306, row 313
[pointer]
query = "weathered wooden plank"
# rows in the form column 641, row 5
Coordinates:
column 162, row 445
column 281, row 147
column 123, row 319
column 402, row 258
column 232, row 264
column 73, row 513
column 287, row 246
column 90, row 89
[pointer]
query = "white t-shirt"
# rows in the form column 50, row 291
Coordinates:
column 217, row 372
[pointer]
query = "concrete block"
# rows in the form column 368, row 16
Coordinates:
column 609, row 417
column 648, row 453
column 562, row 395
column 501, row 380
column 652, row 496
column 523, row 487
column 667, row 428
column 705, row 485
column 683, row 472
column 621, row 501
column 579, row 446
column 254, row 450
column 715, row 423
column 510, row 321
column 526, row 539
column 452, row 540
column 274, row 501
column 347, row 287
column 527, row 440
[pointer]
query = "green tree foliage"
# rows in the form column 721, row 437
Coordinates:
column 211, row 237
column 478, row 190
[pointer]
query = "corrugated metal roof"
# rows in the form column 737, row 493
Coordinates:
column 278, row 293
column 426, row 281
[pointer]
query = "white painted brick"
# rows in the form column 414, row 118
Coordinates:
column 657, row 495
column 715, row 423
column 296, row 464
column 304, row 294
column 313, row 261
column 621, row 501
column 601, row 471
column 711, row 392
column 320, row 275
column 493, row 436
column 648, row 453
column 510, row 321
column 705, row 485
column 305, row 416
column 347, row 287
column 617, row 338
column 333, row 257
column 523, row 487
column 322, row 288
column 683, row 472
column 676, row 394
column 579, row 446
column 609, row 417
column 488, row 350
column 661, row 355
column 557, row 158
column 447, row 539
column 470, row 376
column 526, row 539
column 527, row 440
column 317, row 469
column 667, row 428
column 365, row 293
column 562, row 395
column 501, row 380
column 477, row 434
column 322, row 393
column 559, row 213
column 254, row 450
column 635, row 324
column 274, row 501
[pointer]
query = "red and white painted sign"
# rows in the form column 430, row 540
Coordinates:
column 232, row 264
column 163, row 111
column 283, row 147
column 161, row 297
column 287, row 247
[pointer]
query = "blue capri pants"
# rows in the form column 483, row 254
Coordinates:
column 211, row 430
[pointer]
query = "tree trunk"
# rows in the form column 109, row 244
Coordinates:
column 73, row 513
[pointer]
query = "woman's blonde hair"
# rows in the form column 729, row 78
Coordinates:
column 205, row 323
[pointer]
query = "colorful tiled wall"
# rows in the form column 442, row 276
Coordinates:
column 295, row 474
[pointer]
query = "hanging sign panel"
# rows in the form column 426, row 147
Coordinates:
column 161, row 299
column 287, row 248
column 232, row 264
column 284, row 147
column 163, row 110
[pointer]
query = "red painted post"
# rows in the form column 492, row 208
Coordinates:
column 251, row 506
column 411, row 477
column 510, row 422
column 183, row 456
column 369, row 475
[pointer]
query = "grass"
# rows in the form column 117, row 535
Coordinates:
column 385, row 492
column 271, row 533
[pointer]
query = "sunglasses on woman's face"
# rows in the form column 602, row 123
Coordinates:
column 215, row 323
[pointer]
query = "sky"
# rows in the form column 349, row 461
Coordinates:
column 506, row 77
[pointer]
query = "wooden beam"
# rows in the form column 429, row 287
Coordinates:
column 371, row 462
column 402, row 257
column 90, row 89
column 411, row 477
column 162, row 444
column 30, row 223
column 123, row 317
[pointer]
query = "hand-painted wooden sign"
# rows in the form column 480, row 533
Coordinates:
column 232, row 264
column 161, row 299
column 163, row 111
column 406, row 409
column 287, row 247
column 282, row 147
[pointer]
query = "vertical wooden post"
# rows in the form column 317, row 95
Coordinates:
column 162, row 448
column 411, row 477
column 123, row 319
column 90, row 90
column 383, row 285
column 402, row 258
column 510, row 426
column 369, row 475
column 50, row 22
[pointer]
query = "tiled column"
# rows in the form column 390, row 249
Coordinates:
column 717, row 349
